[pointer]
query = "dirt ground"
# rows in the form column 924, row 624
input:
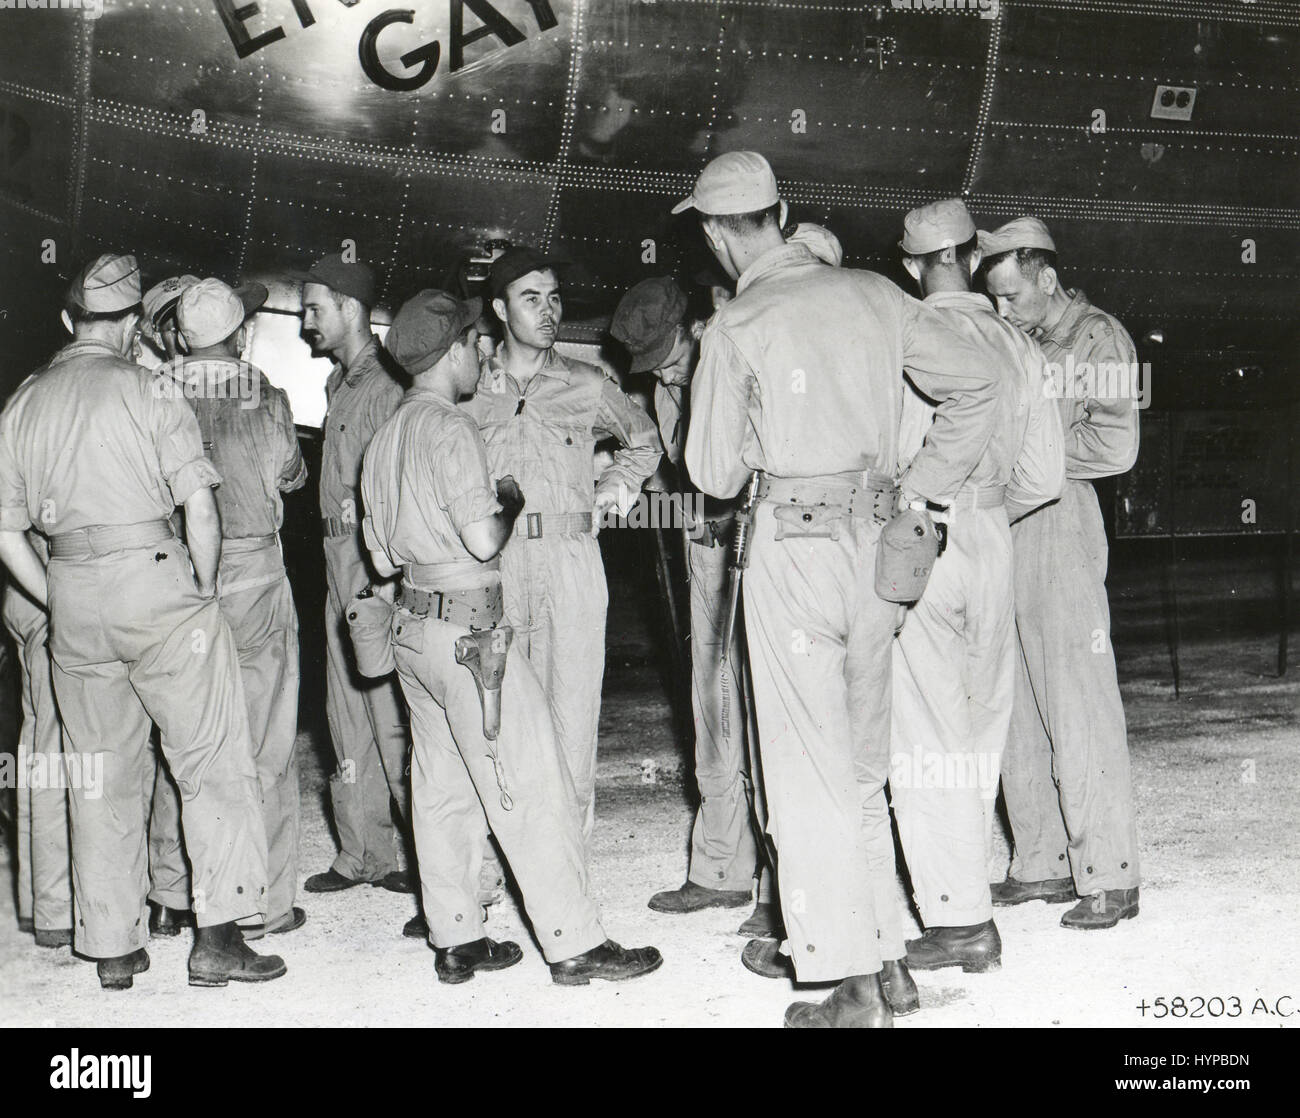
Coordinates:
column 1217, row 775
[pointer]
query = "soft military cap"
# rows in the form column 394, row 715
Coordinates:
column 162, row 297
column 354, row 279
column 209, row 312
column 107, row 284
column 1023, row 232
column 738, row 182
column 646, row 320
column 943, row 224
column 515, row 263
column 425, row 327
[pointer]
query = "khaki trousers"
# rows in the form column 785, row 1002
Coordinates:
column 368, row 728
column 457, row 781
column 819, row 645
column 1065, row 775
column 724, row 853
column 954, row 681
column 132, row 641
column 44, row 867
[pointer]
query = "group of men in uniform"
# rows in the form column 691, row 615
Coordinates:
column 837, row 419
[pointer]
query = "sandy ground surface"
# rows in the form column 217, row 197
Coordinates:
column 1217, row 774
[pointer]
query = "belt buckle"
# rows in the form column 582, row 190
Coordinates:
column 533, row 525
column 436, row 596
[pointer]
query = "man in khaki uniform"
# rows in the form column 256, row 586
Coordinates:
column 367, row 724
column 431, row 512
column 169, row 875
column 799, row 379
column 44, row 887
column 541, row 414
column 650, row 322
column 95, row 455
column 954, row 659
column 249, row 435
column 1065, row 776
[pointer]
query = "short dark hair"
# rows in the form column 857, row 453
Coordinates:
column 747, row 224
column 964, row 251
column 80, row 315
column 1030, row 261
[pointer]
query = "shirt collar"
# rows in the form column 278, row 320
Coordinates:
column 972, row 299
column 555, row 366
column 83, row 347
column 1063, row 327
column 366, row 360
column 781, row 256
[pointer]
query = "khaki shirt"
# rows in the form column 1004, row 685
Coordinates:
column 360, row 398
column 1101, row 427
column 424, row 479
column 1026, row 452
column 545, row 432
column 90, row 440
column 249, row 435
column 800, row 375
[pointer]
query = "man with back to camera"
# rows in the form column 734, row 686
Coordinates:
column 954, row 658
column 800, row 380
column 93, row 453
column 249, row 432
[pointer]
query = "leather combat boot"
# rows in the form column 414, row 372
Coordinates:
column 220, row 955
column 119, row 972
column 1055, row 890
column 693, row 898
column 608, row 961
column 900, row 990
column 455, row 965
column 1104, row 909
column 763, row 923
column 976, row 948
column 856, row 1003
column 168, row 922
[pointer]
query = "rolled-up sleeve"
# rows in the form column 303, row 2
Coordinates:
column 13, row 493
column 1104, row 440
column 949, row 368
column 622, row 418
column 180, row 447
column 293, row 470
column 460, row 476
column 720, row 397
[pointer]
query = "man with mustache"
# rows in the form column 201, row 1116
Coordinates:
column 541, row 414
column 366, row 720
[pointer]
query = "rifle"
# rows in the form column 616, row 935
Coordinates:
column 739, row 561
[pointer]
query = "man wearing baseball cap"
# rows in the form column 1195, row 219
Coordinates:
column 366, row 719
column 800, row 379
column 247, row 424
column 434, row 516
column 954, row 658
column 651, row 323
column 1066, row 776
column 541, row 415
column 97, row 457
